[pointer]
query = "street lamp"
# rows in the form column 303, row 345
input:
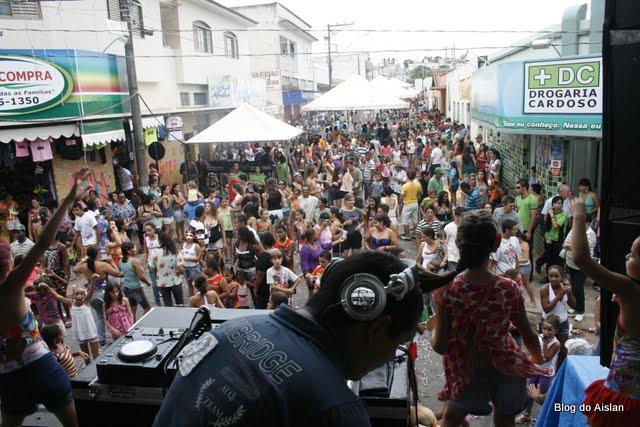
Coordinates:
column 544, row 44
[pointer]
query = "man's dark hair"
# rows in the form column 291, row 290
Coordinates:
column 411, row 175
column 199, row 211
column 537, row 188
column 325, row 255
column 91, row 205
column 243, row 177
column 267, row 240
column 404, row 314
column 508, row 224
column 241, row 218
column 464, row 185
column 524, row 183
column 507, row 199
column 458, row 211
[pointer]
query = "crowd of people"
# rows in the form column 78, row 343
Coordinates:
column 263, row 235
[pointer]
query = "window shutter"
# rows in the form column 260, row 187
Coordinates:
column 113, row 10
column 26, row 9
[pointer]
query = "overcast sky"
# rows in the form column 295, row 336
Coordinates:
column 420, row 14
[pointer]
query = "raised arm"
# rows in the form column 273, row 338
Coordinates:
column 12, row 289
column 610, row 280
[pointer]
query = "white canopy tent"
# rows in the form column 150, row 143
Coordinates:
column 393, row 87
column 246, row 124
column 354, row 94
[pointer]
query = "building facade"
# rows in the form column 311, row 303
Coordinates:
column 181, row 49
column 280, row 43
column 543, row 107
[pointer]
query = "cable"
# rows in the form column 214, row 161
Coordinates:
column 208, row 55
column 159, row 122
column 346, row 30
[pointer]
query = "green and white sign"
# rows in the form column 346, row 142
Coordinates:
column 569, row 86
column 29, row 84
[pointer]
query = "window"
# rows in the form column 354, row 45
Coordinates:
column 231, row 45
column 113, row 10
column 185, row 99
column 117, row 11
column 292, row 48
column 137, row 24
column 284, row 46
column 200, row 98
column 27, row 9
column 202, row 37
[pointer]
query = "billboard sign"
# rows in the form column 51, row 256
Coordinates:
column 563, row 87
column 30, row 84
column 61, row 83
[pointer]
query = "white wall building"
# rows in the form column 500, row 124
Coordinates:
column 459, row 92
column 280, row 43
column 179, row 45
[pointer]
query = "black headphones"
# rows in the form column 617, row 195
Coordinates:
column 363, row 296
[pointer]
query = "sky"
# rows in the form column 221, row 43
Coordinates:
column 489, row 15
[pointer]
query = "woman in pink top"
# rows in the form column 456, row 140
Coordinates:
column 483, row 363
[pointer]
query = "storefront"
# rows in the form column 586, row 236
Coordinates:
column 60, row 110
column 546, row 114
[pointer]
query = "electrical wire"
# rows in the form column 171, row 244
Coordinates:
column 336, row 53
column 346, row 30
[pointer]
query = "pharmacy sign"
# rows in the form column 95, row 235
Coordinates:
column 569, row 86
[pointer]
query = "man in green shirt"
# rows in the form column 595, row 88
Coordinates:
column 435, row 183
column 527, row 208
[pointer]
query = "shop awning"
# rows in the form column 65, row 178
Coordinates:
column 99, row 134
column 150, row 122
column 38, row 132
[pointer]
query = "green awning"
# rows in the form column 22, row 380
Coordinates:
column 98, row 134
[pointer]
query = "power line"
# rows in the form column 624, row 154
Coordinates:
column 343, row 30
column 353, row 52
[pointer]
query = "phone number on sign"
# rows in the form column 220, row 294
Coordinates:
column 20, row 100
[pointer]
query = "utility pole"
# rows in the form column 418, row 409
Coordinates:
column 329, row 56
column 138, row 138
column 328, row 38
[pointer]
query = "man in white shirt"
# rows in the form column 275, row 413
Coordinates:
column 565, row 192
column 398, row 177
column 508, row 253
column 21, row 245
column 308, row 203
column 436, row 157
column 87, row 228
column 451, row 232
column 507, row 211
column 578, row 277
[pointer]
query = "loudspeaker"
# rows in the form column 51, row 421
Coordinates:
column 620, row 209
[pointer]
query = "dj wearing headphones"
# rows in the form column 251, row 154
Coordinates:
column 290, row 367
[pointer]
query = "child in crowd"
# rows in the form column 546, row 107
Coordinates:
column 52, row 335
column 228, row 282
column 471, row 331
column 204, row 295
column 324, row 259
column 556, row 297
column 83, row 326
column 280, row 278
column 71, row 252
column 118, row 316
column 41, row 296
column 550, row 347
column 276, row 299
column 508, row 253
column 242, row 298
column 376, row 186
column 284, row 244
column 215, row 279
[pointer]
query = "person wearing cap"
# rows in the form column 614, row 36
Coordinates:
column 435, row 183
column 21, row 245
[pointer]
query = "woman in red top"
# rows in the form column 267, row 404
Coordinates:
column 483, row 363
column 284, row 244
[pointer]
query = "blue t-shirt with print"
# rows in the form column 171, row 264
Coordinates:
column 280, row 369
